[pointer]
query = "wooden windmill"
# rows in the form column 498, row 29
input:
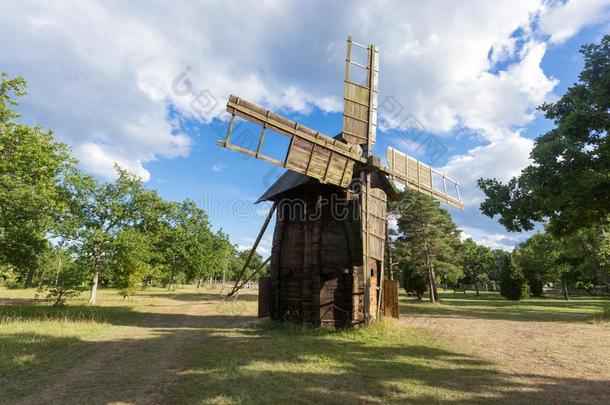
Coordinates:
column 328, row 244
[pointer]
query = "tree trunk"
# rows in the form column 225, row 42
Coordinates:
column 58, row 300
column 565, row 290
column 30, row 278
column 96, row 277
column 94, row 281
column 172, row 277
column 431, row 282
column 476, row 287
column 433, row 278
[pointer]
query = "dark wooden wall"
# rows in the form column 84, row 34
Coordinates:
column 316, row 265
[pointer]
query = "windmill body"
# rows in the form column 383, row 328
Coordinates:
column 331, row 205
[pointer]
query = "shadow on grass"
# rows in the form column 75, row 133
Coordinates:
column 267, row 364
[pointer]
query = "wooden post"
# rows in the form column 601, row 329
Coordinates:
column 236, row 286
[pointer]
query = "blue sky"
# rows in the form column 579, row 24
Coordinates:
column 109, row 78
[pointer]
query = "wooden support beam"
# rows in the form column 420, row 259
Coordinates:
column 236, row 286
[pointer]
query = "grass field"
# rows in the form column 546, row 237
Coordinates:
column 187, row 347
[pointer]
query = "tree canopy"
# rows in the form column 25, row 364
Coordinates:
column 568, row 182
column 32, row 165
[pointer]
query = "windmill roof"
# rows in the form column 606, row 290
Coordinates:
column 287, row 181
column 291, row 180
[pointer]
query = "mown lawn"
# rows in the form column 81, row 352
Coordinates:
column 491, row 305
column 188, row 347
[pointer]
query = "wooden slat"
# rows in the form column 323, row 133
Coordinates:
column 310, row 152
column 360, row 100
column 390, row 299
column 259, row 115
column 414, row 174
column 377, row 210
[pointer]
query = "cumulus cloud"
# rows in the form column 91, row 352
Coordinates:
column 494, row 240
column 566, row 19
column 102, row 74
column 501, row 159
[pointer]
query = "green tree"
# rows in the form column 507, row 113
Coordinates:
column 131, row 258
column 184, row 241
column 32, row 165
column 430, row 238
column 537, row 257
column 513, row 284
column 413, row 277
column 255, row 263
column 477, row 262
column 579, row 259
column 568, row 182
column 219, row 255
column 97, row 213
column 60, row 275
column 595, row 243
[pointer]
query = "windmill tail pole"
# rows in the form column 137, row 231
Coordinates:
column 237, row 285
column 243, row 283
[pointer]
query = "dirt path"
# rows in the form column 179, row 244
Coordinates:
column 574, row 357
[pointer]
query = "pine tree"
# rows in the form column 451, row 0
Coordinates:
column 429, row 237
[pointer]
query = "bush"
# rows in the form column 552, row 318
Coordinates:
column 60, row 276
column 513, row 284
column 8, row 277
column 414, row 280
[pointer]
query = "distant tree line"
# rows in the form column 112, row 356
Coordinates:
column 428, row 250
column 64, row 231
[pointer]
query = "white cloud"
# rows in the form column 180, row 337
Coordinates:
column 100, row 160
column 501, row 159
column 264, row 247
column 102, row 74
column 563, row 21
column 494, row 240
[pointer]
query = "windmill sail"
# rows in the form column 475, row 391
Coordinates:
column 414, row 174
column 310, row 152
column 360, row 99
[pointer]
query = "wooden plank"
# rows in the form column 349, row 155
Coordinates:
column 260, row 116
column 356, row 93
column 237, row 284
column 310, row 152
column 250, row 153
column 377, row 212
column 414, row 174
column 390, row 299
column 264, row 297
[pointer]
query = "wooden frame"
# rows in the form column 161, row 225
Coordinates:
column 310, row 152
column 414, row 174
column 360, row 100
